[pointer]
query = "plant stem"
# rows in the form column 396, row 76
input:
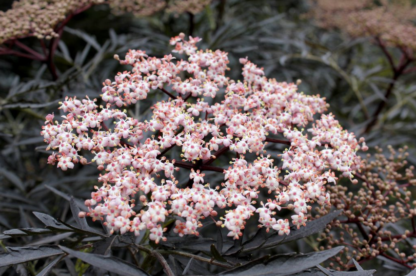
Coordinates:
column 35, row 54
column 163, row 262
column 402, row 262
column 278, row 141
column 168, row 93
column 183, row 254
column 191, row 23
column 196, row 257
column 397, row 72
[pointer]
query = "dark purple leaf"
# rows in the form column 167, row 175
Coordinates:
column 27, row 232
column 17, row 255
column 283, row 265
column 412, row 273
column 51, row 223
column 103, row 247
column 312, row 227
column 82, row 222
column 79, row 203
column 217, row 254
column 111, row 264
column 257, row 241
column 219, row 240
column 324, row 272
column 48, row 268
column 53, row 238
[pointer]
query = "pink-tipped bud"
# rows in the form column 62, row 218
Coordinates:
column 83, row 161
column 82, row 214
column 52, row 159
column 243, row 60
column 50, row 117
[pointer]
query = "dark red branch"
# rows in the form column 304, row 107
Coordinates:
column 362, row 230
column 402, row 262
column 410, row 70
column 191, row 23
column 184, row 165
column 217, row 154
column 70, row 16
column 211, row 168
column 29, row 50
column 7, row 51
column 187, row 97
column 388, row 238
column 278, row 141
column 386, row 53
column 397, row 72
column 42, row 44
column 165, row 151
column 168, row 93
column 360, row 177
column 49, row 61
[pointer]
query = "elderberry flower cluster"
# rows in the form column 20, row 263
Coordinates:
column 241, row 120
column 389, row 21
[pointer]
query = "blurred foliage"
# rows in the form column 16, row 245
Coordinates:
column 351, row 73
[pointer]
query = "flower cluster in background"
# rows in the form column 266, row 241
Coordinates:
column 149, row 7
column 390, row 21
column 39, row 18
column 206, row 115
column 375, row 214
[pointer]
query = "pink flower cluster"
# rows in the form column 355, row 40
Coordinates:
column 242, row 120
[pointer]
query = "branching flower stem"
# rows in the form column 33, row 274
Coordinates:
column 184, row 254
column 398, row 71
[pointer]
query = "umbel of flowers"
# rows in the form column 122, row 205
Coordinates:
column 241, row 121
column 387, row 21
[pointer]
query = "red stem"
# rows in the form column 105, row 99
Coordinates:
column 212, row 168
column 42, row 43
column 360, row 177
column 187, row 97
column 397, row 72
column 29, row 50
column 278, row 141
column 49, row 61
column 4, row 51
column 410, row 70
column 217, row 154
column 168, row 93
column 402, row 262
column 386, row 53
